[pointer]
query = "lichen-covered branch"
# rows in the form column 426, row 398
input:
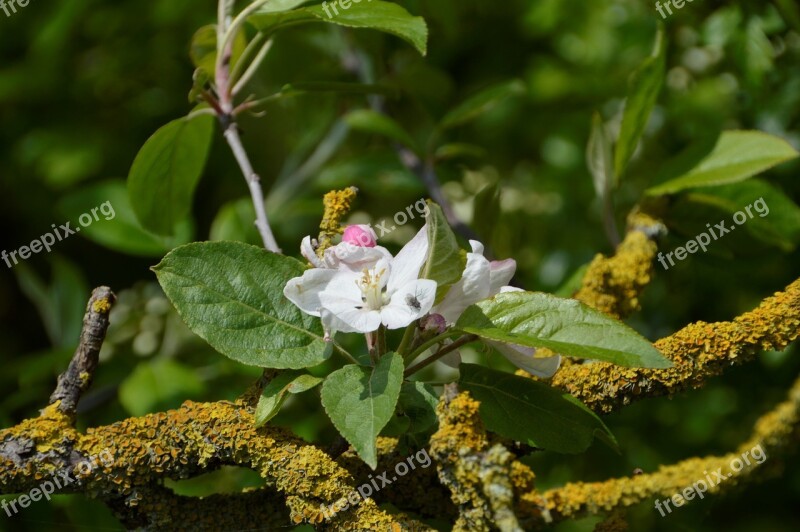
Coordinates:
column 698, row 351
column 478, row 474
column 613, row 284
column 78, row 377
column 776, row 434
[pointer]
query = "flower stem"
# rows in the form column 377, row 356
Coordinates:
column 408, row 338
column 440, row 353
column 430, row 343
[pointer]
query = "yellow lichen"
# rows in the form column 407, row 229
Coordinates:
column 101, row 306
column 337, row 204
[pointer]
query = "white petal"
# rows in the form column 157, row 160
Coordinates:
column 505, row 289
column 473, row 286
column 523, row 358
column 409, row 260
column 351, row 312
column 410, row 303
column 307, row 250
column 500, row 273
column 347, row 257
column 304, row 291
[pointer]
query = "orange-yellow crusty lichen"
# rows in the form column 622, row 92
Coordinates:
column 477, row 475
column 182, row 443
column 337, row 204
column 613, row 284
column 102, row 305
column 775, row 433
column 698, row 351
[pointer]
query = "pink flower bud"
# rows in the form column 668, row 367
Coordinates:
column 433, row 324
column 360, row 235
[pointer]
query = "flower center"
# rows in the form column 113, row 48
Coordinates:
column 372, row 288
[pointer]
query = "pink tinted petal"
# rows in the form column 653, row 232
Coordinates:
column 500, row 273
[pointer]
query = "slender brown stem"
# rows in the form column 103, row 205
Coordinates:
column 440, row 353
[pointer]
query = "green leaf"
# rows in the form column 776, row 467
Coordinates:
column 775, row 217
column 372, row 122
column 481, row 103
column 234, row 221
column 569, row 287
column 737, row 156
column 459, row 150
column 565, row 326
column 532, row 412
column 418, row 403
column 446, row 262
column 275, row 393
column 643, row 89
column 158, row 384
column 360, row 401
column 599, row 159
column 383, row 16
column 231, row 295
column 117, row 227
column 62, row 304
column 165, row 173
column 203, row 49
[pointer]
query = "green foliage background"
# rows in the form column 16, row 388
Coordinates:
column 84, row 83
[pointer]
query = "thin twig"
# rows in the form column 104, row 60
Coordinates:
column 440, row 353
column 254, row 183
column 76, row 380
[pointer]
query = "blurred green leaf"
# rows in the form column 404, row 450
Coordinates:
column 481, row 103
column 565, row 326
column 122, row 231
column 775, row 218
column 360, row 401
column 235, row 221
column 446, row 261
column 158, row 384
column 383, row 16
column 532, row 412
column 166, row 170
column 62, row 304
column 599, row 158
column 418, row 403
column 737, row 156
column 275, row 393
column 458, row 150
column 231, row 295
column 372, row 122
column 203, row 49
column 643, row 89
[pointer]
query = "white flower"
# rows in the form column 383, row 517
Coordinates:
column 481, row 280
column 387, row 291
column 344, row 256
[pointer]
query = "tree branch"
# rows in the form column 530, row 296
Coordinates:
column 78, row 377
